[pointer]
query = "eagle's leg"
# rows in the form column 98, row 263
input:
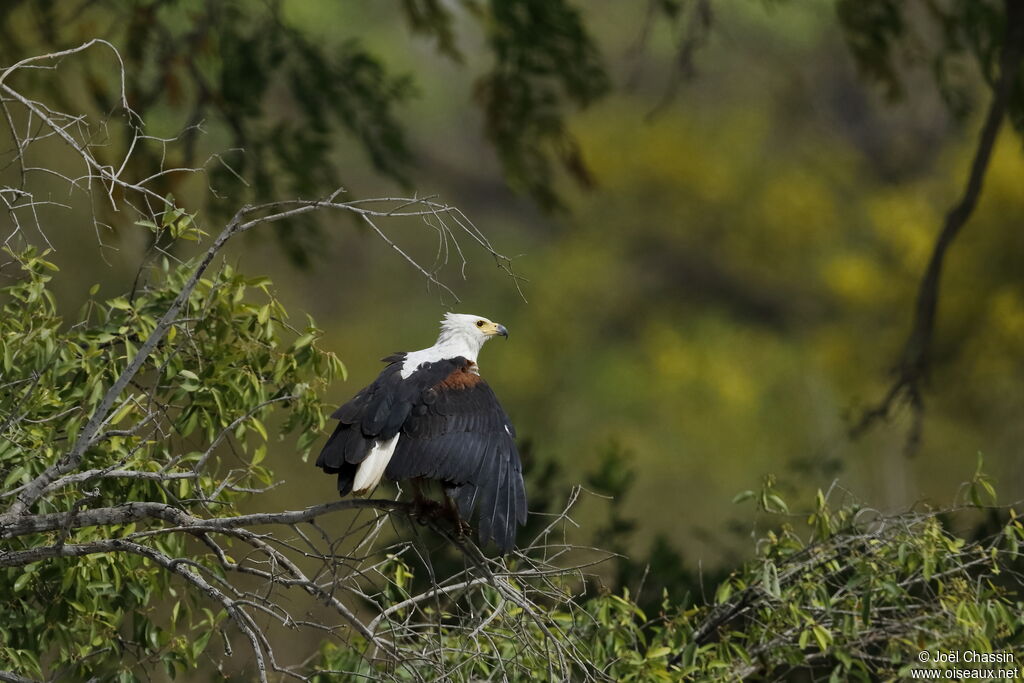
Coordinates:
column 451, row 510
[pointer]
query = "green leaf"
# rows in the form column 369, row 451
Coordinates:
column 260, row 428
column 743, row 496
column 22, row 581
column 804, row 639
column 120, row 304
column 304, row 341
column 822, row 636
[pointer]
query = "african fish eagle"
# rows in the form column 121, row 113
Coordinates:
column 430, row 415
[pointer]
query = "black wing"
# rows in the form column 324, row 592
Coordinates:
column 377, row 413
column 459, row 434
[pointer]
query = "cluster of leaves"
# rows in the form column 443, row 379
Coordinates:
column 863, row 594
column 543, row 58
column 854, row 596
column 189, row 432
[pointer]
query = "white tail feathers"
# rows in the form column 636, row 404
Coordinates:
column 372, row 469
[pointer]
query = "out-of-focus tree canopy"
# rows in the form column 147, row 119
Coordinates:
column 246, row 77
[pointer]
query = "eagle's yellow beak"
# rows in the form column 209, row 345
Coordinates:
column 494, row 330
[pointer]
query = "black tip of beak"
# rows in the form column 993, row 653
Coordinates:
column 502, row 331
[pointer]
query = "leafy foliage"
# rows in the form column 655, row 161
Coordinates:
column 191, row 433
column 854, row 596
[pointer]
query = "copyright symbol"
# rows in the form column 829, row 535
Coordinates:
column 922, row 656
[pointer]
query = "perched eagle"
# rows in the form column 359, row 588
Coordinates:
column 430, row 415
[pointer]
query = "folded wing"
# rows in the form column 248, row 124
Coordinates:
column 450, row 427
column 459, row 434
column 375, row 416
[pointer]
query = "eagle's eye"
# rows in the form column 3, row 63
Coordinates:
column 479, row 323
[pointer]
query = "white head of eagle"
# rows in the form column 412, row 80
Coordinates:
column 429, row 414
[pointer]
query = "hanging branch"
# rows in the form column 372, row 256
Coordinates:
column 912, row 370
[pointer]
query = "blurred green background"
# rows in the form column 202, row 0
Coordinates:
column 726, row 282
